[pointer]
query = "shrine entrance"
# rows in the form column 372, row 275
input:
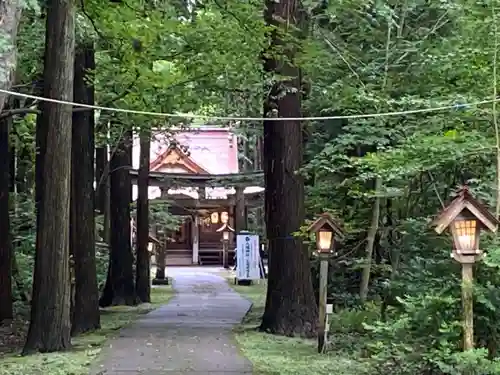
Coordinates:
column 196, row 173
column 179, row 244
column 210, row 245
column 196, row 240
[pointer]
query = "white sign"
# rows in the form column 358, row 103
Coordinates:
column 247, row 257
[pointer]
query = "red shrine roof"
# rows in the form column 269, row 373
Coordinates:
column 175, row 155
column 201, row 150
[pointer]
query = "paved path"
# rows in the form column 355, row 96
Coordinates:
column 191, row 335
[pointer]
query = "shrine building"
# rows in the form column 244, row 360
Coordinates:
column 196, row 173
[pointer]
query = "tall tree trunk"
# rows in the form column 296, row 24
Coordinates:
column 10, row 13
column 22, row 176
column 103, row 186
column 15, row 187
column 6, row 307
column 119, row 288
column 50, row 308
column 257, row 167
column 142, row 269
column 85, row 314
column 12, row 167
column 290, row 305
column 106, row 231
column 370, row 242
column 41, row 149
column 101, row 160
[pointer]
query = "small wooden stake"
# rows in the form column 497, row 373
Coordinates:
column 467, row 303
column 323, row 285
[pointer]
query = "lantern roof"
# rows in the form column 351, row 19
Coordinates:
column 464, row 201
column 224, row 227
column 326, row 220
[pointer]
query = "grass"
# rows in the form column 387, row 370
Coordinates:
column 277, row 355
column 86, row 347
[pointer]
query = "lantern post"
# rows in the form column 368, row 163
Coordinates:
column 161, row 258
column 226, row 231
column 325, row 229
column 465, row 217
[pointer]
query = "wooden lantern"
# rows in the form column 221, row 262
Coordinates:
column 325, row 228
column 465, row 217
column 226, row 231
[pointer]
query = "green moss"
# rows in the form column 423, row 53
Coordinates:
column 85, row 347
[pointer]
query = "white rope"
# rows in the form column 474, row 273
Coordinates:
column 235, row 118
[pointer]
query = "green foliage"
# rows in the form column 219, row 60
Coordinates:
column 357, row 57
column 399, row 56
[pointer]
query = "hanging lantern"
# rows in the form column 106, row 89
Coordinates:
column 214, row 218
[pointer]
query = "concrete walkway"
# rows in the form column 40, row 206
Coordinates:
column 191, row 335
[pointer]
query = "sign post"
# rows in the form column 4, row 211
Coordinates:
column 248, row 258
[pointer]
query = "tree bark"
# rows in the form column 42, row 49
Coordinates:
column 106, row 231
column 50, row 309
column 16, row 187
column 103, row 187
column 18, row 279
column 6, row 308
column 41, row 148
column 10, row 13
column 290, row 304
column 119, row 288
column 142, row 269
column 85, row 314
column 240, row 217
column 22, row 178
column 370, row 242
column 12, row 168
column 22, row 163
column 101, row 156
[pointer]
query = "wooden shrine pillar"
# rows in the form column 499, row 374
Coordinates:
column 195, row 229
column 195, row 233
column 240, row 216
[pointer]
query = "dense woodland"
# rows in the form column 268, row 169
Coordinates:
column 394, row 287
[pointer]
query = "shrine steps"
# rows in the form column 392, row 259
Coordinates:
column 213, row 257
column 179, row 257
